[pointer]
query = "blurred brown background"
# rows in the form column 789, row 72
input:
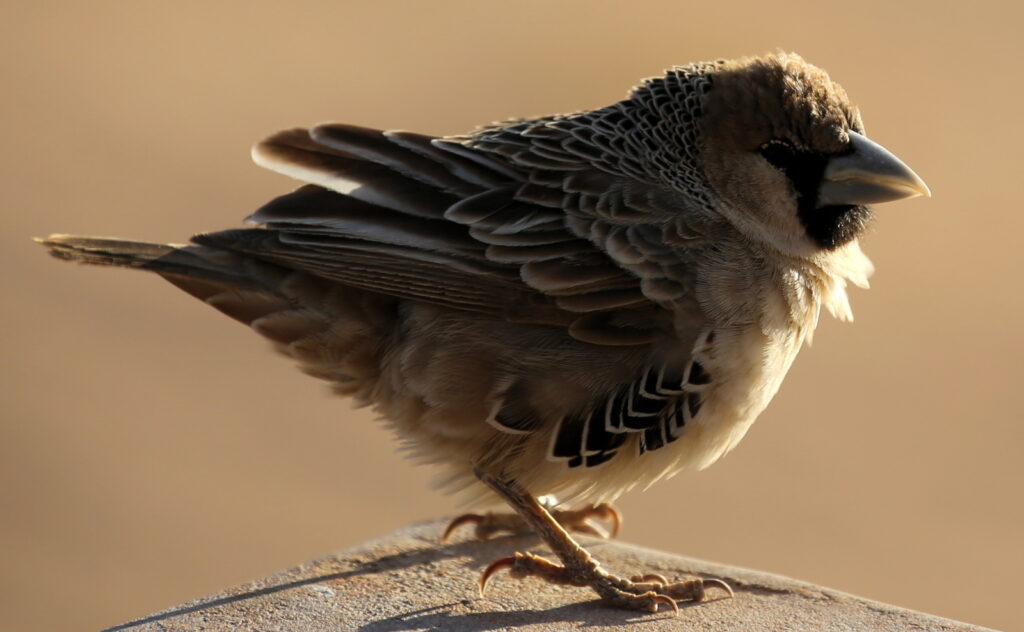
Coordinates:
column 153, row 451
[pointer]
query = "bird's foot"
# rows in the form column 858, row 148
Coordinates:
column 640, row 592
column 578, row 520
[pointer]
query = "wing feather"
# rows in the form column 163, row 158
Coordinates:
column 512, row 222
column 373, row 146
column 294, row 153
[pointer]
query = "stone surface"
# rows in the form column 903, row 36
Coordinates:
column 409, row 581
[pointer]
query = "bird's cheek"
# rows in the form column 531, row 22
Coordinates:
column 755, row 186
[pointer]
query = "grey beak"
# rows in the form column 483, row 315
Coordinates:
column 870, row 174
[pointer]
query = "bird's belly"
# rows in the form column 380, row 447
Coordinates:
column 746, row 368
column 436, row 390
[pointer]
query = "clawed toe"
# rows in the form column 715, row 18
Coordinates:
column 646, row 591
column 469, row 518
column 486, row 525
column 530, row 565
column 693, row 589
column 505, row 563
column 718, row 583
column 652, row 578
column 579, row 520
column 642, row 592
column 645, row 602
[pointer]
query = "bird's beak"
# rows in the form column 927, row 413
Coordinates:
column 868, row 175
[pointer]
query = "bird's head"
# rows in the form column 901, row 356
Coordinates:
column 785, row 153
column 771, row 143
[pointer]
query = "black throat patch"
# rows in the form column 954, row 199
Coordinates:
column 829, row 226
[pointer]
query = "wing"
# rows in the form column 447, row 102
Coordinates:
column 500, row 226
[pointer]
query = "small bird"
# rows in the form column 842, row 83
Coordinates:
column 570, row 305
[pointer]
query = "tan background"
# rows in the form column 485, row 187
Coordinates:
column 153, row 451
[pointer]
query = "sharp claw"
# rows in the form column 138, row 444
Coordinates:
column 719, row 584
column 494, row 567
column 458, row 522
column 658, row 599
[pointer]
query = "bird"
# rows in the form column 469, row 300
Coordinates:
column 555, row 310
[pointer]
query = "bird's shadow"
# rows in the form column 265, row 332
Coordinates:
column 477, row 553
column 583, row 614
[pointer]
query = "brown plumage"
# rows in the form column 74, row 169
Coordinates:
column 571, row 305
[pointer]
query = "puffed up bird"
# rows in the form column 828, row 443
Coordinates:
column 570, row 305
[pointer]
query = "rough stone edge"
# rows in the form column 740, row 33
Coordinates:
column 428, row 531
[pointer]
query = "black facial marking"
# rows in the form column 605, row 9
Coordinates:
column 779, row 153
column 829, row 226
column 833, row 226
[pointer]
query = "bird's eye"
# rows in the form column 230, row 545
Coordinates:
column 779, row 153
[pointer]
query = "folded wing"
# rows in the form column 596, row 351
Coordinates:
column 436, row 220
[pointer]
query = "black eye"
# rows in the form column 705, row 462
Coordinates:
column 778, row 153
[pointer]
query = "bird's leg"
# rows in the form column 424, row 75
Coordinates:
column 486, row 525
column 643, row 592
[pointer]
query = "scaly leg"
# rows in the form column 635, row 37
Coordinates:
column 578, row 568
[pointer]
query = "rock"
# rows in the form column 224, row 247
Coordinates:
column 409, row 581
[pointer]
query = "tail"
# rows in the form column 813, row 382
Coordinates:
column 191, row 261
column 237, row 286
column 333, row 331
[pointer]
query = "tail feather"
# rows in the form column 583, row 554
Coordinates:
column 104, row 251
column 239, row 287
column 333, row 331
column 190, row 261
